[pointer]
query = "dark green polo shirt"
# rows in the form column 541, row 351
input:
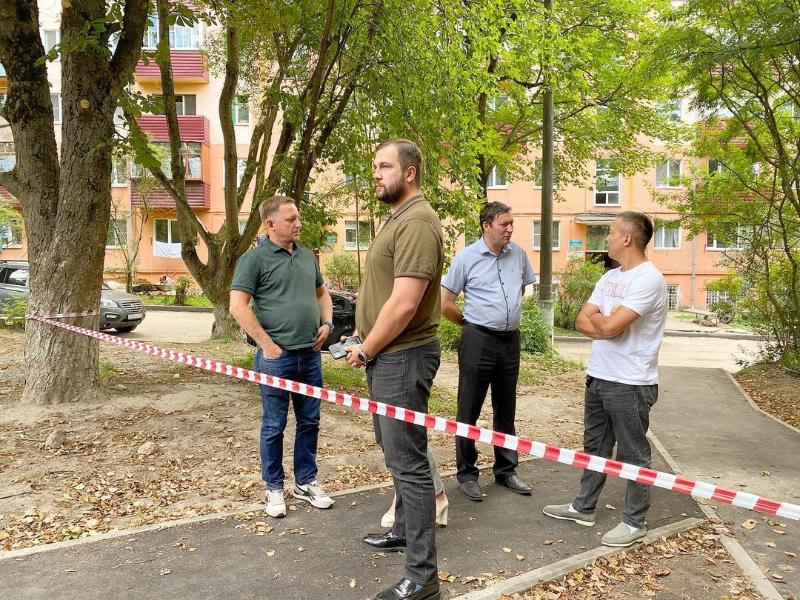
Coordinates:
column 283, row 285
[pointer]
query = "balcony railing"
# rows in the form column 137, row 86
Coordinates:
column 198, row 194
column 188, row 66
column 193, row 128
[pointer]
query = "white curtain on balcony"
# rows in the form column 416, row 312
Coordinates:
column 166, row 250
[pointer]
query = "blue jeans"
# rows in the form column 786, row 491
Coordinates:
column 304, row 366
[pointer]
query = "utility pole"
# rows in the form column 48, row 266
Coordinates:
column 546, row 243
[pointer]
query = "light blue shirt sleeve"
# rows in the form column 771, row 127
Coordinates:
column 456, row 278
column 528, row 276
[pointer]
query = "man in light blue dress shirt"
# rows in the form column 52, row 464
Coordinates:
column 492, row 274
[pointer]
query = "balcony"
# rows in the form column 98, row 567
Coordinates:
column 6, row 195
column 188, row 66
column 198, row 194
column 193, row 128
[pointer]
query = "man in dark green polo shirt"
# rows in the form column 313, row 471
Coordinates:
column 289, row 320
column 397, row 316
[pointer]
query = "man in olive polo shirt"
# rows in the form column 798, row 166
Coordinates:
column 284, row 282
column 397, row 316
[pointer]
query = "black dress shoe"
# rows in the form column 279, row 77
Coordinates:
column 385, row 542
column 405, row 589
column 515, row 484
column 471, row 490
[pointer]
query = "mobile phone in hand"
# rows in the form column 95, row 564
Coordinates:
column 340, row 349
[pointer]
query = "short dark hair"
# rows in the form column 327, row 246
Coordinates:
column 639, row 226
column 492, row 210
column 271, row 205
column 409, row 154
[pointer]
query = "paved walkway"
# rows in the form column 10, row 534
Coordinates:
column 701, row 418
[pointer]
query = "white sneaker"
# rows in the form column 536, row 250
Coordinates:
column 276, row 505
column 313, row 494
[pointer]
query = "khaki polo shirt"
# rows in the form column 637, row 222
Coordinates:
column 409, row 245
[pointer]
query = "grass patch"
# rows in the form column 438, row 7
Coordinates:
column 339, row 376
column 534, row 368
column 107, row 370
column 442, row 403
column 566, row 332
column 244, row 361
column 164, row 300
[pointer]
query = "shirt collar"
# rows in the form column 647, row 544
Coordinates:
column 269, row 244
column 406, row 206
column 484, row 248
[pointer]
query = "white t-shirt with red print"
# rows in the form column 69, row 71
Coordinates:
column 632, row 356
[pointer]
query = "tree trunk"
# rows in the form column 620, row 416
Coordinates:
column 66, row 204
column 217, row 289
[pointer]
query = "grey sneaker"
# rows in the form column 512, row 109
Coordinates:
column 313, row 494
column 276, row 505
column 562, row 511
column 621, row 536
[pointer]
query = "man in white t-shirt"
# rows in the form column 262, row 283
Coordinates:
column 625, row 316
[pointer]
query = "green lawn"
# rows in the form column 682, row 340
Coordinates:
column 149, row 300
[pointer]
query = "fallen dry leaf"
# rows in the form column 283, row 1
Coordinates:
column 750, row 524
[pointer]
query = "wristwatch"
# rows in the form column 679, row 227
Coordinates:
column 362, row 356
column 330, row 325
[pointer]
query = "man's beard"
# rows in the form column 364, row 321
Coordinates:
column 392, row 194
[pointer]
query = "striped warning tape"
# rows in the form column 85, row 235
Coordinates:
column 573, row 458
column 69, row 315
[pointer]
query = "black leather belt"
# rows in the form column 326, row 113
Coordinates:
column 491, row 331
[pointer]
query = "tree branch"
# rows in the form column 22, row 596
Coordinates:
column 129, row 47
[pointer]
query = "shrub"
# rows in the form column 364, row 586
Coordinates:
column 574, row 288
column 181, row 289
column 449, row 334
column 342, row 270
column 12, row 314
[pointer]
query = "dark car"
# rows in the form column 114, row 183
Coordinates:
column 118, row 309
column 344, row 318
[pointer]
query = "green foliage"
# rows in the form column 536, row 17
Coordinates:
column 10, row 221
column 574, row 288
column 449, row 334
column 181, row 289
column 244, row 361
column 12, row 313
column 107, row 370
column 340, row 376
column 534, row 369
column 535, row 334
column 342, row 270
column 168, row 300
column 791, row 360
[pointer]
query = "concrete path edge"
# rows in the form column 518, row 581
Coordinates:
column 756, row 406
column 520, row 583
column 731, row 544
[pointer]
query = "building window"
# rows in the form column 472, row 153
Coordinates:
column 716, row 166
column 241, row 163
column 166, row 231
column 537, row 174
column 50, row 39
column 498, row 178
column 668, row 174
column 667, row 235
column 117, row 235
column 596, row 238
column 192, row 161
column 606, row 191
column 119, row 172
column 11, row 235
column 357, row 235
column 240, row 110
column 181, row 37
column 537, row 235
column 55, row 99
column 496, row 102
column 732, row 239
column 186, row 104
column 714, row 297
column 671, row 110
column 673, row 296
column 8, row 158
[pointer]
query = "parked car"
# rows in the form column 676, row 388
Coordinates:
column 118, row 309
column 344, row 318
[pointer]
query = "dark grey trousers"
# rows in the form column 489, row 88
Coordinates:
column 487, row 359
column 617, row 413
column 404, row 379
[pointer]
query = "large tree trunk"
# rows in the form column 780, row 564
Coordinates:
column 65, row 206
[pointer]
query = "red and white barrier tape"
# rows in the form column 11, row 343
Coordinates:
column 70, row 315
column 573, row 458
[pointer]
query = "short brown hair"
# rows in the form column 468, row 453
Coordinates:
column 271, row 205
column 639, row 226
column 409, row 154
column 492, row 210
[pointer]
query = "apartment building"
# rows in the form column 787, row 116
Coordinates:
column 582, row 216
column 197, row 94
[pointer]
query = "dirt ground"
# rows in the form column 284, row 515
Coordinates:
column 173, row 441
column 774, row 390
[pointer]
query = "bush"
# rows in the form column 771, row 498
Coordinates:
column 15, row 312
column 574, row 288
column 181, row 289
column 342, row 270
column 534, row 331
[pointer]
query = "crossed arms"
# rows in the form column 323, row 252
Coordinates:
column 592, row 323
